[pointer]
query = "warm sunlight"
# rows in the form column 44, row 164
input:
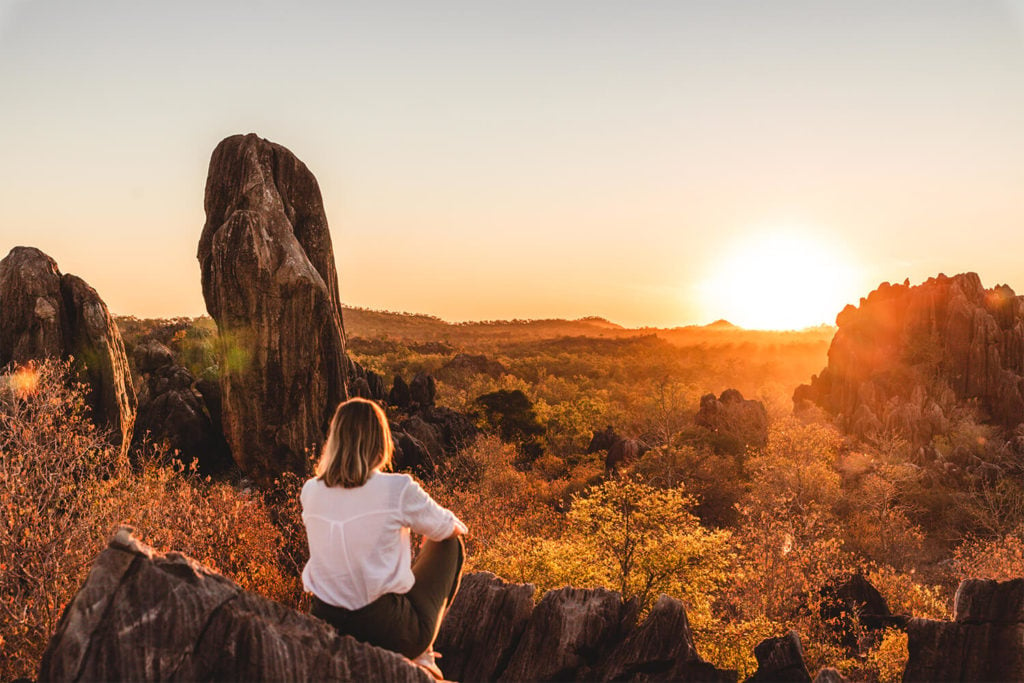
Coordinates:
column 779, row 279
column 24, row 381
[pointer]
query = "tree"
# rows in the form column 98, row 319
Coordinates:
column 649, row 542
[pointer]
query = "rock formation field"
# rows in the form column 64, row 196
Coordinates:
column 646, row 505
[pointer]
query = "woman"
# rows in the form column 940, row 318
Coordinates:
column 357, row 521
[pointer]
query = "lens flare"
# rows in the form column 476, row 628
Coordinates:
column 24, row 381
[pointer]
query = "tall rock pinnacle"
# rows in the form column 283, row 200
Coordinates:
column 270, row 283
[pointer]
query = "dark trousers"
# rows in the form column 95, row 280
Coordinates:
column 406, row 623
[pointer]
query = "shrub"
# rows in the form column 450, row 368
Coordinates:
column 64, row 489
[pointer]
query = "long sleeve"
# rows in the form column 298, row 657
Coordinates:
column 424, row 516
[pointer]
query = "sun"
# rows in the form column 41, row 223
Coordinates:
column 780, row 279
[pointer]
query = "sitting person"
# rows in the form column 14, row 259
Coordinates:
column 357, row 521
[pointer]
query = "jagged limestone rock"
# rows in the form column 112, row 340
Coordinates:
column 483, row 627
column 984, row 642
column 780, row 659
column 44, row 314
column 270, row 283
column 146, row 616
column 908, row 355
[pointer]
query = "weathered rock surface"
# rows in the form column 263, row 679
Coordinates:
column 424, row 433
column 856, row 603
column 830, row 675
column 907, row 357
column 423, row 389
column 661, row 649
column 483, row 627
column 365, row 383
column 984, row 642
column 46, row 314
column 588, row 623
column 737, row 422
column 620, row 451
column 269, row 281
column 780, row 659
column 144, row 616
column 400, row 396
column 172, row 409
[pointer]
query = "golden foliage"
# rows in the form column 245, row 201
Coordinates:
column 64, row 489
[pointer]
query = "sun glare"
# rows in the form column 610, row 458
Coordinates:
column 24, row 381
column 779, row 280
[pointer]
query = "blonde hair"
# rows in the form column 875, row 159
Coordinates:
column 358, row 442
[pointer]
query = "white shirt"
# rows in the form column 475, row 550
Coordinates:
column 359, row 537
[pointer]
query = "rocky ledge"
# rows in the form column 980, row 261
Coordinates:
column 146, row 616
column 143, row 615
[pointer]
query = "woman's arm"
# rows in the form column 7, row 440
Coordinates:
column 422, row 514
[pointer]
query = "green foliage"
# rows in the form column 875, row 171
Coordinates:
column 512, row 414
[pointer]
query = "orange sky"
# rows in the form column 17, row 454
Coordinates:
column 628, row 160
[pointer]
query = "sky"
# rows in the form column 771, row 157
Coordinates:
column 654, row 163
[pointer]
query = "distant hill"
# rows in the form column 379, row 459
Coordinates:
column 420, row 328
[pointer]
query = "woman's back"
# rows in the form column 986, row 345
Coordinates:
column 359, row 536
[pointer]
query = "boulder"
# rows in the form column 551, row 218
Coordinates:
column 567, row 633
column 365, row 383
column 427, row 435
column 830, row 675
column 737, row 423
column 33, row 322
column 780, row 659
column 984, row 642
column 173, row 410
column 620, row 451
column 270, row 283
column 456, row 429
column 400, row 396
column 603, row 439
column 907, row 357
column 661, row 649
column 146, row 616
column 423, row 389
column 483, row 627
column 44, row 314
column 856, row 603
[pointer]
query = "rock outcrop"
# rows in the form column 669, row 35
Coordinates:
column 46, row 314
column 780, row 659
column 736, row 422
column 984, row 642
column 424, row 433
column 908, row 357
column 173, row 409
column 483, row 627
column 144, row 616
column 855, row 605
column 269, row 281
column 619, row 451
column 493, row 632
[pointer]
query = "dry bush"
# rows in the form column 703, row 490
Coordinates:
column 49, row 453
column 64, row 489
column 1000, row 559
